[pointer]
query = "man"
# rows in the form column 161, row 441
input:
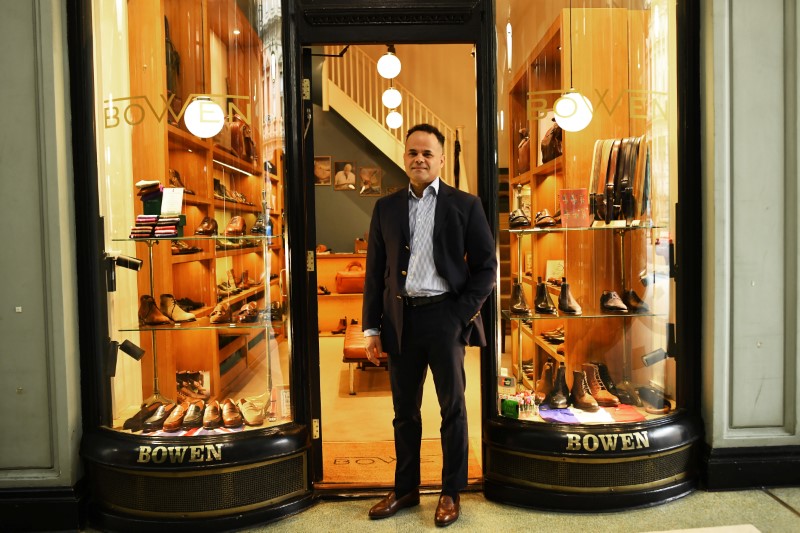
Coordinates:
column 430, row 266
column 345, row 178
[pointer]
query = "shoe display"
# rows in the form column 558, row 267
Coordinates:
column 605, row 377
column 187, row 304
column 580, row 395
column 194, row 414
column 221, row 314
column 554, row 336
column 176, row 181
column 518, row 219
column 136, row 422
column 248, row 313
column 260, row 227
column 207, row 227
column 322, row 289
column 156, row 421
column 252, row 415
column 236, row 227
column 610, row 302
column 634, row 303
column 341, row 328
column 519, row 306
column 175, row 419
column 559, row 395
column 543, row 302
column 171, row 309
column 566, row 303
column 149, row 313
column 231, row 417
column 544, row 387
column 597, row 388
column 544, row 219
column 212, row 417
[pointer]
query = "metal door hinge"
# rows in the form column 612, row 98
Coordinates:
column 315, row 428
column 306, row 89
column 310, row 261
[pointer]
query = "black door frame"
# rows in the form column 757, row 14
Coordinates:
column 320, row 22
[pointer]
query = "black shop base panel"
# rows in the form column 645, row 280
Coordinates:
column 197, row 484
column 591, row 468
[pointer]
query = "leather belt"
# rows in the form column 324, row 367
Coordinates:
column 419, row 301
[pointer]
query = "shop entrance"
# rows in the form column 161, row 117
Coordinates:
column 357, row 160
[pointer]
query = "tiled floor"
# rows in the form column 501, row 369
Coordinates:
column 764, row 510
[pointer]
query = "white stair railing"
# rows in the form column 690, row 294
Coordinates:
column 355, row 74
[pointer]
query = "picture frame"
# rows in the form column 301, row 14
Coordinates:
column 322, row 170
column 344, row 177
column 369, row 181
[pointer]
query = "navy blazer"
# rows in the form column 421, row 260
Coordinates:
column 463, row 252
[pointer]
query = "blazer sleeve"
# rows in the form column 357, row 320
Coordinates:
column 481, row 261
column 374, row 278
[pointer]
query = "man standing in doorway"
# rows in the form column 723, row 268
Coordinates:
column 431, row 264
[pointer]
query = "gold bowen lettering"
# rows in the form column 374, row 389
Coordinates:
column 180, row 454
column 607, row 442
column 133, row 110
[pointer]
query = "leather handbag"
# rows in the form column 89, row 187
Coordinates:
column 351, row 279
column 551, row 143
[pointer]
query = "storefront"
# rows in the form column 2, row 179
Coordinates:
column 207, row 179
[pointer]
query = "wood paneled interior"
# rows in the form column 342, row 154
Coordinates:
column 159, row 146
column 609, row 59
column 334, row 306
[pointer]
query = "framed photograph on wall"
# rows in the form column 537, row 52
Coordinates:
column 322, row 170
column 369, row 179
column 344, row 178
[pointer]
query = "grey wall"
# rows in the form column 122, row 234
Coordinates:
column 342, row 216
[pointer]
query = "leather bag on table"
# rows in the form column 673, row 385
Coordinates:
column 551, row 143
column 351, row 279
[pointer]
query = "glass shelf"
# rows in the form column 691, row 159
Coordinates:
column 510, row 316
column 600, row 227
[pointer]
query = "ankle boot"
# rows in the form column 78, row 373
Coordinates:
column 580, row 395
column 149, row 313
column 634, row 303
column 519, row 306
column 171, row 309
column 605, row 377
column 597, row 388
column 543, row 303
column 341, row 328
column 545, row 385
column 566, row 303
column 559, row 396
column 245, row 281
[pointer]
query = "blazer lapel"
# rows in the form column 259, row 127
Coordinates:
column 442, row 208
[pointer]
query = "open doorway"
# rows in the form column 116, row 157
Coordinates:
column 357, row 159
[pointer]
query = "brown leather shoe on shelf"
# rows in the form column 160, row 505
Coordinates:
column 212, row 417
column 236, row 227
column 231, row 417
column 447, row 510
column 149, row 313
column 390, row 504
column 253, row 416
column 175, row 419
column 221, row 313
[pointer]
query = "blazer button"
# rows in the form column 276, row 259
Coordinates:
column 404, row 273
column 407, row 248
column 399, row 297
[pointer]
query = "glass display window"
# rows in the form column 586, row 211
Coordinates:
column 190, row 144
column 590, row 119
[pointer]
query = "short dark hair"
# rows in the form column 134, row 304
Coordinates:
column 427, row 128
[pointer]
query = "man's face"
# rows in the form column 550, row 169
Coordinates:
column 423, row 158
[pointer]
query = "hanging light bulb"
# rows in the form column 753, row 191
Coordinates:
column 394, row 120
column 389, row 65
column 573, row 111
column 508, row 43
column 203, row 117
column 392, row 98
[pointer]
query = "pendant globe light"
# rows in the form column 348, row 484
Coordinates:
column 389, row 65
column 391, row 97
column 573, row 111
column 394, row 120
column 204, row 118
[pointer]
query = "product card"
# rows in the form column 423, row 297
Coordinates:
column 172, row 201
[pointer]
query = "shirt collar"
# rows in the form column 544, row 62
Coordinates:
column 434, row 184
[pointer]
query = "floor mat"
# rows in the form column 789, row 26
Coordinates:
column 371, row 464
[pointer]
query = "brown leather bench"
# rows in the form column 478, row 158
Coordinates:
column 355, row 355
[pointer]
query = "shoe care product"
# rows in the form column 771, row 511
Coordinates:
column 580, row 395
column 566, row 303
column 519, row 306
column 543, row 303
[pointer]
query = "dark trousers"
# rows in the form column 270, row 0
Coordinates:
column 431, row 338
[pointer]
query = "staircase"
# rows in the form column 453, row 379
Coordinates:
column 353, row 88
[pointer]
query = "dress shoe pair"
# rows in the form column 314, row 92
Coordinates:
column 221, row 314
column 390, row 504
column 518, row 219
column 236, row 227
column 611, row 302
column 136, row 422
column 207, row 227
column 185, row 416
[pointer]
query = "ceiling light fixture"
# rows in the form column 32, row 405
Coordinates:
column 394, row 120
column 573, row 111
column 389, row 65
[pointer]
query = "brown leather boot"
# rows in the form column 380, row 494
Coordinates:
column 545, row 385
column 519, row 306
column 597, row 388
column 581, row 397
column 149, row 313
column 559, row 396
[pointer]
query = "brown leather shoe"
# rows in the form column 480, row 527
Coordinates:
column 231, row 417
column 447, row 510
column 391, row 504
column 212, row 417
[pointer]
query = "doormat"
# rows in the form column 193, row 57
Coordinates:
column 371, row 464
